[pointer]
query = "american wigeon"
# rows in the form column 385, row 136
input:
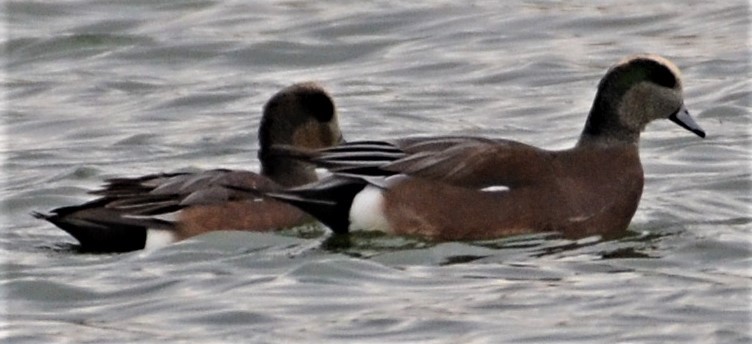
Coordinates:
column 153, row 210
column 470, row 188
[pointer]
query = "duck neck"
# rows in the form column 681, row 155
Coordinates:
column 603, row 127
column 287, row 172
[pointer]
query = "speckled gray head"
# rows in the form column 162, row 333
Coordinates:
column 633, row 93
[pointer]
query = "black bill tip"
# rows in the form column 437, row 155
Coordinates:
column 684, row 120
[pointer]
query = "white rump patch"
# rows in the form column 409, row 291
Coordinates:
column 367, row 211
column 495, row 188
column 157, row 238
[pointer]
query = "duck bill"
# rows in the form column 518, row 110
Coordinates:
column 683, row 119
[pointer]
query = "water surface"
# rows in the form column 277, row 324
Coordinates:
column 98, row 89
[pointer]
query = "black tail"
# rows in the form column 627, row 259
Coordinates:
column 328, row 200
column 99, row 229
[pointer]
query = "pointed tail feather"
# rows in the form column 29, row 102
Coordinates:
column 102, row 229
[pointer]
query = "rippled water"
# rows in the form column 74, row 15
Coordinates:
column 97, row 89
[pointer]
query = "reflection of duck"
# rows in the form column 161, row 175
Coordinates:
column 160, row 208
column 468, row 188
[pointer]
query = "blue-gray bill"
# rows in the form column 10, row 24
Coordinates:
column 682, row 118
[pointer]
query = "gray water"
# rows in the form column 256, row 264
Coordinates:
column 98, row 89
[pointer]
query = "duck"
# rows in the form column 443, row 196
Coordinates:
column 155, row 210
column 464, row 188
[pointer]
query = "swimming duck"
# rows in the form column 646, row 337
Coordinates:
column 472, row 188
column 158, row 209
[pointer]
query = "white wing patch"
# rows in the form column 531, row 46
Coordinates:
column 169, row 217
column 495, row 188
